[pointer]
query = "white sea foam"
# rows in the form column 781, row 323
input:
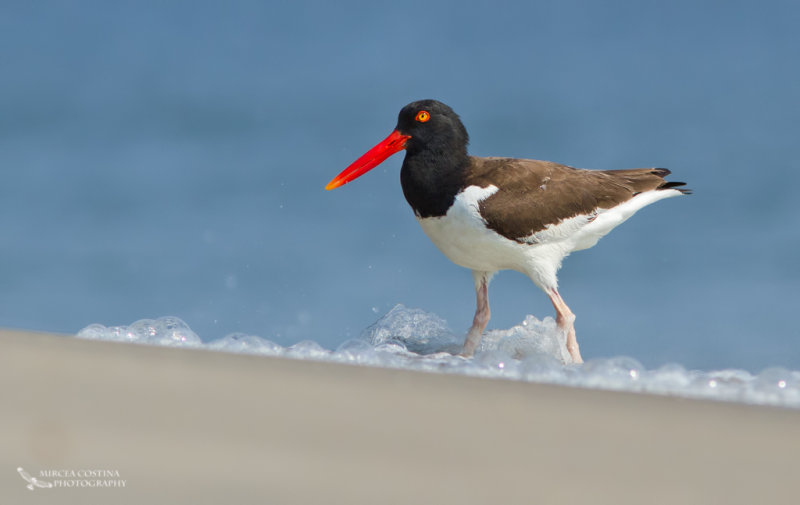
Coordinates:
column 532, row 351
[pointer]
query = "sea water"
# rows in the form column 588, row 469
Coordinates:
column 165, row 158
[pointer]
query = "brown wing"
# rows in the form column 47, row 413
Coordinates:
column 533, row 194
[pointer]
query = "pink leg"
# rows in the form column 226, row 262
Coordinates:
column 482, row 313
column 566, row 322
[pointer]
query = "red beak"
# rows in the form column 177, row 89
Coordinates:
column 395, row 142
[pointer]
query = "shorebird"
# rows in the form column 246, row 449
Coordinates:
column 491, row 214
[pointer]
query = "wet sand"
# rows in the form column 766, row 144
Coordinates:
column 192, row 426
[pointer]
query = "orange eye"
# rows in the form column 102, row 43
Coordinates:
column 422, row 116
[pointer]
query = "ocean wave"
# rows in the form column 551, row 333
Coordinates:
column 533, row 351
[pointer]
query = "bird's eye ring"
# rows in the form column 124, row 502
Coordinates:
column 422, row 116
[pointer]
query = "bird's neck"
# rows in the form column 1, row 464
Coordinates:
column 431, row 178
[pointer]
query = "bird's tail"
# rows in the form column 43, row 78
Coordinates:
column 663, row 172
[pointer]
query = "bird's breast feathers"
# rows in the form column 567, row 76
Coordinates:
column 463, row 236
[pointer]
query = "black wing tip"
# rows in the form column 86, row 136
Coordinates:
column 676, row 185
column 663, row 172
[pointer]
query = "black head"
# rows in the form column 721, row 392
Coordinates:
column 432, row 126
column 433, row 137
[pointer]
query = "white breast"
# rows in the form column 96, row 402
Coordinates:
column 463, row 237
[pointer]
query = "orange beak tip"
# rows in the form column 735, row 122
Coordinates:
column 395, row 142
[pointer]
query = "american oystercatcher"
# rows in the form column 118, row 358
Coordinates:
column 490, row 214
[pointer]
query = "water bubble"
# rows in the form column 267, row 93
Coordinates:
column 356, row 350
column 775, row 378
column 542, row 367
column 618, row 372
column 307, row 349
column 496, row 362
column 244, row 343
column 417, row 330
column 170, row 331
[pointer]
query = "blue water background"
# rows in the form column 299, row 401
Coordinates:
column 169, row 158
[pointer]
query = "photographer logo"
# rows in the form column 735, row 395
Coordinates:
column 83, row 478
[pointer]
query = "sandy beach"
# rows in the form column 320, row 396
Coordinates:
column 193, row 426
